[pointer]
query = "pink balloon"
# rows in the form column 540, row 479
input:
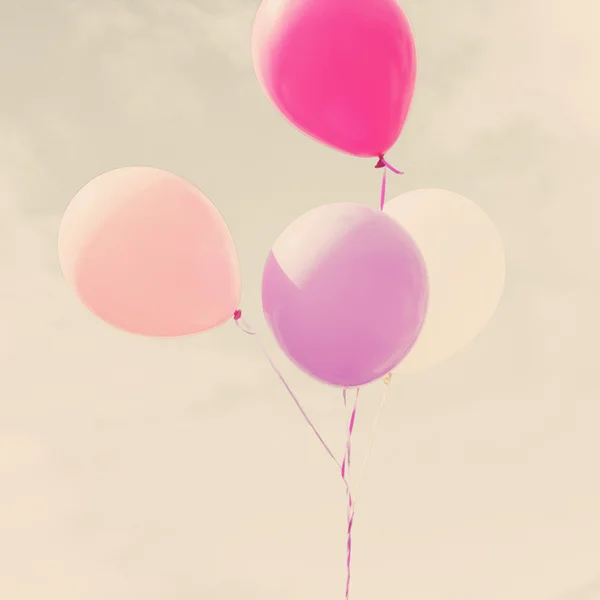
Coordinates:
column 341, row 71
column 345, row 292
column 147, row 252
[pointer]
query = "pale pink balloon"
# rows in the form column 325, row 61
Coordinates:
column 341, row 71
column 147, row 252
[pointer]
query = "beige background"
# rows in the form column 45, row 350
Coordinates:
column 133, row 468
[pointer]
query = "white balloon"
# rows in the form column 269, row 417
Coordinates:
column 466, row 265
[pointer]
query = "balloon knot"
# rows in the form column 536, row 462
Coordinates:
column 237, row 315
column 381, row 164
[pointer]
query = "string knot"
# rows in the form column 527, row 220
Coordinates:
column 381, row 164
column 237, row 315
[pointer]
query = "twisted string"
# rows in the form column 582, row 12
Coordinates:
column 345, row 472
column 385, row 165
column 242, row 325
column 344, row 466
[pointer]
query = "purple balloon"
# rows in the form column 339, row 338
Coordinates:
column 345, row 293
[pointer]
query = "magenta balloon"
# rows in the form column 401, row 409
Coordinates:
column 345, row 292
column 341, row 71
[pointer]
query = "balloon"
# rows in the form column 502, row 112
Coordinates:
column 344, row 291
column 341, row 71
column 147, row 252
column 466, row 266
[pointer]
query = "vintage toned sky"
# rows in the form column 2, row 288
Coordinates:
column 133, row 468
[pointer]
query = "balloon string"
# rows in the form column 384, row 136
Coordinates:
column 385, row 165
column 387, row 381
column 243, row 326
column 345, row 472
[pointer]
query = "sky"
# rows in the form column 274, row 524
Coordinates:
column 139, row 468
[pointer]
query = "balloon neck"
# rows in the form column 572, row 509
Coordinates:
column 237, row 315
column 381, row 164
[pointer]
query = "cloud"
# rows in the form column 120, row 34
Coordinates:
column 535, row 65
column 590, row 591
column 134, row 83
